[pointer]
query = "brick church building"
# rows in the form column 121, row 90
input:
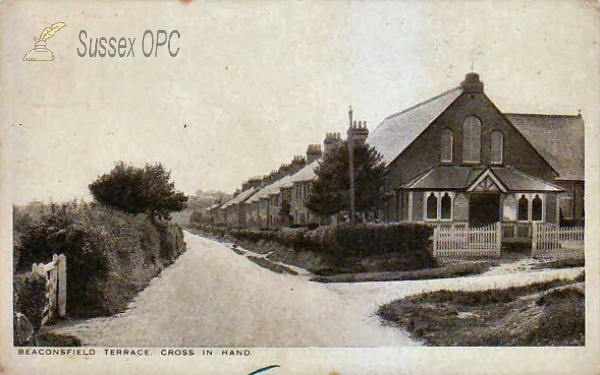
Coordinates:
column 456, row 159
column 452, row 160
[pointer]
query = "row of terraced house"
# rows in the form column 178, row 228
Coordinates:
column 454, row 159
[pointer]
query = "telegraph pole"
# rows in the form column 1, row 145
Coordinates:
column 350, row 140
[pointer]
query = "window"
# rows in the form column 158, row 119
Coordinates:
column 446, row 207
column 438, row 206
column 523, row 214
column 432, row 207
column 471, row 140
column 536, row 208
column 446, row 146
column 509, row 210
column 496, row 152
column 566, row 206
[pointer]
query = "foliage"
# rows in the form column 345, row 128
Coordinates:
column 196, row 217
column 134, row 190
column 330, row 193
column 346, row 245
column 30, row 296
column 495, row 317
column 111, row 255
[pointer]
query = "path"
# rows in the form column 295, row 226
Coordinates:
column 213, row 297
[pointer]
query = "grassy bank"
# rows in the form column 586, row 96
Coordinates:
column 542, row 314
column 111, row 255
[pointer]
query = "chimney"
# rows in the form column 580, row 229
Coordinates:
column 358, row 132
column 298, row 162
column 254, row 182
column 284, row 170
column 472, row 84
column 332, row 141
column 313, row 153
column 245, row 185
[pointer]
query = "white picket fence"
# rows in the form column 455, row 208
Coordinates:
column 55, row 273
column 467, row 242
column 552, row 242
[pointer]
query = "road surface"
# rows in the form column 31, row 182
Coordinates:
column 212, row 297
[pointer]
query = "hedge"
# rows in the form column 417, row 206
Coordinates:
column 409, row 243
column 111, row 255
column 29, row 294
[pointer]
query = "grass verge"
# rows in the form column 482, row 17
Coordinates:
column 265, row 263
column 455, row 270
column 548, row 313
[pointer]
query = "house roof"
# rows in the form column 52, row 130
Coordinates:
column 399, row 130
column 307, row 173
column 558, row 138
column 463, row 177
column 241, row 197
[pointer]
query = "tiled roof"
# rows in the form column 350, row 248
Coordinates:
column 241, row 197
column 559, row 139
column 307, row 173
column 398, row 131
column 269, row 189
column 462, row 177
column 445, row 177
column 516, row 180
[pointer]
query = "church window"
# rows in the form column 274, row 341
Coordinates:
column 472, row 140
column 446, row 146
column 497, row 147
column 432, row 207
column 536, row 208
column 523, row 214
column 446, row 207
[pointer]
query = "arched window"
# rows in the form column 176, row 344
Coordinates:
column 432, row 207
column 446, row 146
column 497, row 146
column 446, row 207
column 536, row 208
column 472, row 140
column 523, row 208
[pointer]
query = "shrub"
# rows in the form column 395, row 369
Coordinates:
column 30, row 299
column 111, row 255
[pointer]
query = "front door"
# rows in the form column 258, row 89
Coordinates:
column 484, row 209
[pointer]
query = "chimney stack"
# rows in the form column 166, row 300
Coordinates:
column 313, row 153
column 298, row 162
column 358, row 132
column 332, row 141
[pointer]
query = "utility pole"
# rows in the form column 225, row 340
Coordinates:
column 350, row 141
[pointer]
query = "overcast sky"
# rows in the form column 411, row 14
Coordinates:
column 256, row 82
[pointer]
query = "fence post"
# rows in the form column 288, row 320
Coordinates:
column 62, row 285
column 499, row 238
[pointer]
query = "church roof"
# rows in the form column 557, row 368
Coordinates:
column 463, row 177
column 399, row 130
column 558, row 138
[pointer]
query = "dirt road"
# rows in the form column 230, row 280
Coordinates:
column 213, row 297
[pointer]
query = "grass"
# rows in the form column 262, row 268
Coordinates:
column 455, row 270
column 265, row 263
column 541, row 314
column 561, row 263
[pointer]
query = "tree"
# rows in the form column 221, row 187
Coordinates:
column 135, row 190
column 330, row 193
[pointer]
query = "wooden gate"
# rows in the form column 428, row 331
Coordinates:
column 55, row 273
column 464, row 241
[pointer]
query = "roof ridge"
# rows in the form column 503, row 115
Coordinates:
column 539, row 115
column 423, row 103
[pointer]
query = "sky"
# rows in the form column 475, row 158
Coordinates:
column 255, row 82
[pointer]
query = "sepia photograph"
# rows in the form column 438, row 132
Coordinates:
column 294, row 187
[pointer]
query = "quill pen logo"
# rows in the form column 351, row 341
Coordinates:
column 40, row 52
